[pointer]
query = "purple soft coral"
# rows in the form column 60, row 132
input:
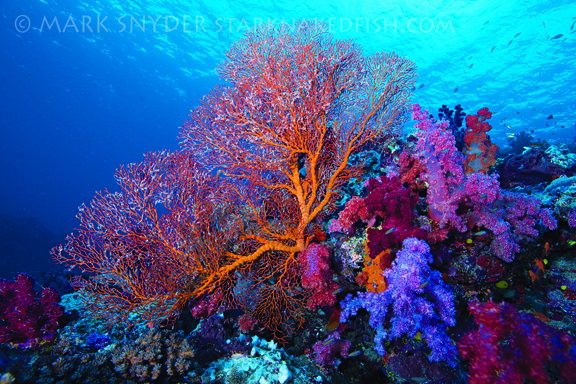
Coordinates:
column 460, row 201
column 327, row 351
column 411, row 286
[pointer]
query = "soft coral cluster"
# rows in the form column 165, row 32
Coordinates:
column 419, row 299
column 326, row 351
column 480, row 151
column 28, row 319
column 509, row 347
column 316, row 275
column 460, row 201
column 388, row 209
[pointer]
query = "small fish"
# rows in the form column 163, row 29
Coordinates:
column 571, row 242
column 557, row 36
column 333, row 321
column 456, row 89
column 446, row 150
column 494, row 209
column 544, row 24
column 355, row 354
column 510, row 42
column 481, row 233
column 423, row 284
column 540, row 264
column 421, row 86
column 329, row 341
column 532, row 276
column 572, row 27
column 470, row 65
column 484, row 195
column 546, row 249
column 494, row 47
column 541, row 316
column 537, row 144
column 550, row 117
column 510, row 135
column 518, row 34
column 390, row 230
column 418, row 335
column 337, row 291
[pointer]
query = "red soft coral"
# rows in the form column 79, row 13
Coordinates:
column 480, row 151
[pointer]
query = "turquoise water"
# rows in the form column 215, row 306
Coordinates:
column 88, row 86
column 513, row 56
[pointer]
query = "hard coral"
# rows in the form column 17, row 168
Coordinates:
column 532, row 167
column 154, row 355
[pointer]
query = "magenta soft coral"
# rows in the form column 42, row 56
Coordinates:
column 510, row 346
column 354, row 210
column 394, row 206
column 316, row 275
column 327, row 351
column 28, row 319
column 388, row 209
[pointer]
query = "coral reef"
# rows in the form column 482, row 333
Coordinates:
column 297, row 237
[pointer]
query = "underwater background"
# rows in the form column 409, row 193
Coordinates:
column 86, row 87
column 76, row 104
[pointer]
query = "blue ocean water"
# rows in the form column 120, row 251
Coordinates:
column 87, row 86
